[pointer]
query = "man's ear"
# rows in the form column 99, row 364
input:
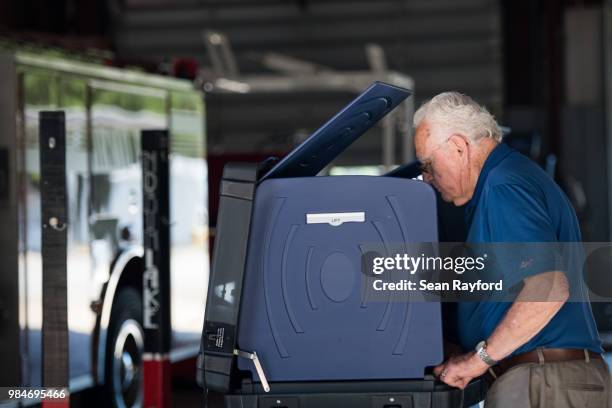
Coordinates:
column 459, row 143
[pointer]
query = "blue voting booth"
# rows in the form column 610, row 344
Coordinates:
column 286, row 320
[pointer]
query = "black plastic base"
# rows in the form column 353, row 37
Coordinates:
column 357, row 394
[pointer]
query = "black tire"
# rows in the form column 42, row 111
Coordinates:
column 124, row 349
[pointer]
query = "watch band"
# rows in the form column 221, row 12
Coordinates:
column 481, row 352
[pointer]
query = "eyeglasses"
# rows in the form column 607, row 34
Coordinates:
column 427, row 163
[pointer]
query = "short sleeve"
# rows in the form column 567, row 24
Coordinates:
column 522, row 235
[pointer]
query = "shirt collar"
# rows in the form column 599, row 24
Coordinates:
column 499, row 153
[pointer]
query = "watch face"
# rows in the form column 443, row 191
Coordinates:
column 480, row 345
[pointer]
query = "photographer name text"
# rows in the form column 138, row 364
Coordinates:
column 425, row 285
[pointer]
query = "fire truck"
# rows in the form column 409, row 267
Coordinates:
column 105, row 110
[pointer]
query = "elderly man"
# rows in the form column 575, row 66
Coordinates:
column 537, row 353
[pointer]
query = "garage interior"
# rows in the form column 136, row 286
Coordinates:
column 270, row 73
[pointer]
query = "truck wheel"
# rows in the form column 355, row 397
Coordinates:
column 124, row 350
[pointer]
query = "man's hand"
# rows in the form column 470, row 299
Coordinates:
column 540, row 299
column 460, row 370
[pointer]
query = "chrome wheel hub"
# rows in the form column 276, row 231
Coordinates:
column 127, row 365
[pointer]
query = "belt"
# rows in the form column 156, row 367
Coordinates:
column 542, row 355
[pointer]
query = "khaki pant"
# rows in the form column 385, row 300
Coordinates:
column 578, row 384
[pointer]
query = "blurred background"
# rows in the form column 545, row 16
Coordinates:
column 542, row 67
column 272, row 71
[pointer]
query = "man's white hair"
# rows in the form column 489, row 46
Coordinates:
column 460, row 114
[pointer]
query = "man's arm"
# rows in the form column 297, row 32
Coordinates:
column 540, row 299
column 537, row 303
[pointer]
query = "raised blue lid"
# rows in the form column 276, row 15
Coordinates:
column 324, row 145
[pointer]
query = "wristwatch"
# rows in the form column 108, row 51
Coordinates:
column 481, row 352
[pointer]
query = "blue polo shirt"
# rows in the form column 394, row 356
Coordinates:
column 515, row 201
